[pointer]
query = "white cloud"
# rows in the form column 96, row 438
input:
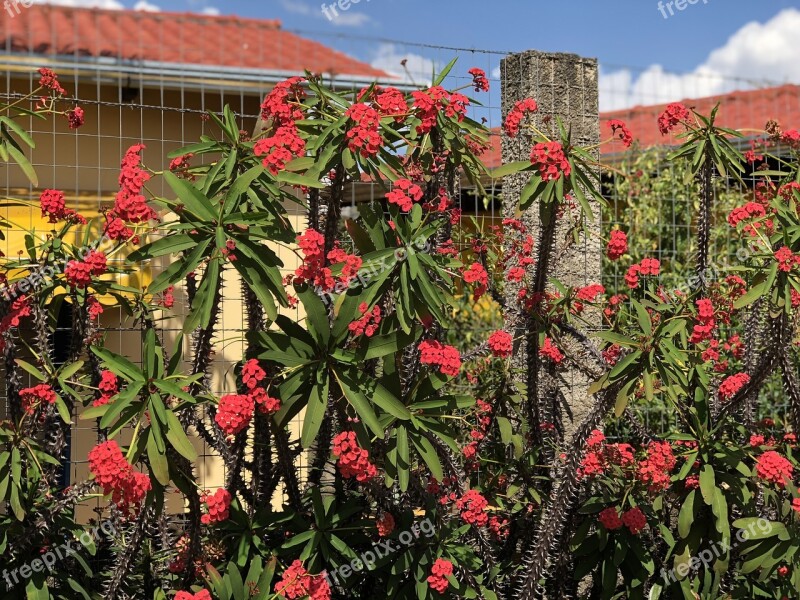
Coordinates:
column 212, row 11
column 107, row 4
column 757, row 55
column 418, row 69
column 146, row 6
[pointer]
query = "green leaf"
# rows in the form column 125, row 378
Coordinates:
column 177, row 437
column 157, row 457
column 707, row 483
column 192, row 198
column 358, row 401
column 315, row 412
column 510, row 169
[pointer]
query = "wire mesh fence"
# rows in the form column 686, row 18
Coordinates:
column 144, row 78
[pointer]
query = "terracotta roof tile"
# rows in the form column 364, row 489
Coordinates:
column 743, row 110
column 179, row 38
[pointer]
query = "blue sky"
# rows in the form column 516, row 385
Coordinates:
column 645, row 57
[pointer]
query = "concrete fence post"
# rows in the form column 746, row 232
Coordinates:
column 564, row 86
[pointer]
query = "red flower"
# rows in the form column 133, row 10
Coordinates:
column 34, row 396
column 266, row 404
column 775, row 468
column 368, row 323
column 609, row 518
column 732, row 385
column 116, row 476
column 447, row 358
column 385, row 524
column 551, row 161
column 786, row 259
column 751, row 210
column 76, row 117
column 201, row 595
column 548, row 350
column 654, row 471
column 281, row 106
column 297, row 583
column 365, row 137
column 312, row 245
column 280, row 148
column 479, row 79
column 108, row 386
column 252, row 373
column 590, row 292
column 675, row 113
column 218, row 505
column 477, row 274
column 404, row 194
column 234, row 413
column 130, row 205
column 354, row 461
column 501, row 344
column 621, row 130
column 634, row 520
column 439, row 572
column 617, row 245
column 516, row 114
column 48, row 79
column 473, row 508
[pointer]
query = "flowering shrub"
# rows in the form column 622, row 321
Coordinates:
column 405, row 416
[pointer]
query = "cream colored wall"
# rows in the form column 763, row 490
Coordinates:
column 85, row 164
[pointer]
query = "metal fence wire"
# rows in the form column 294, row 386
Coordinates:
column 154, row 85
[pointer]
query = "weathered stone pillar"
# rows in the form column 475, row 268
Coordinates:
column 564, row 86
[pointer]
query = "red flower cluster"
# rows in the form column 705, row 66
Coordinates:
column 76, row 117
column 365, row 137
column 312, row 245
column 389, row 102
column 602, row 455
column 674, row 114
column 617, row 245
column 281, row 105
column 611, row 354
column 705, row 323
column 619, row 129
column 252, row 374
column 234, row 413
column 648, row 266
column 516, row 114
column 280, row 148
column 201, row 595
column 473, row 508
column 751, row 210
column 108, row 386
column 116, row 228
column 447, row 358
column 54, row 208
column 266, row 404
column 609, row 518
column 551, row 161
column 404, row 194
column 477, row 274
column 501, row 343
column 180, row 164
column 786, row 259
column 479, row 79
column 439, row 572
column 352, row 263
column 775, row 468
column 353, row 459
column 368, row 323
column 791, row 138
column 48, row 79
column 385, row 524
column 34, row 396
column 218, row 507
column 79, row 273
column 654, row 471
column 116, row 476
column 731, row 385
column 429, row 103
column 479, row 433
column 548, row 350
column 130, row 205
column 298, row 583
column 19, row 309
column 634, row 520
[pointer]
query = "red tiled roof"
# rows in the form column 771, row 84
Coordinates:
column 179, row 38
column 741, row 110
